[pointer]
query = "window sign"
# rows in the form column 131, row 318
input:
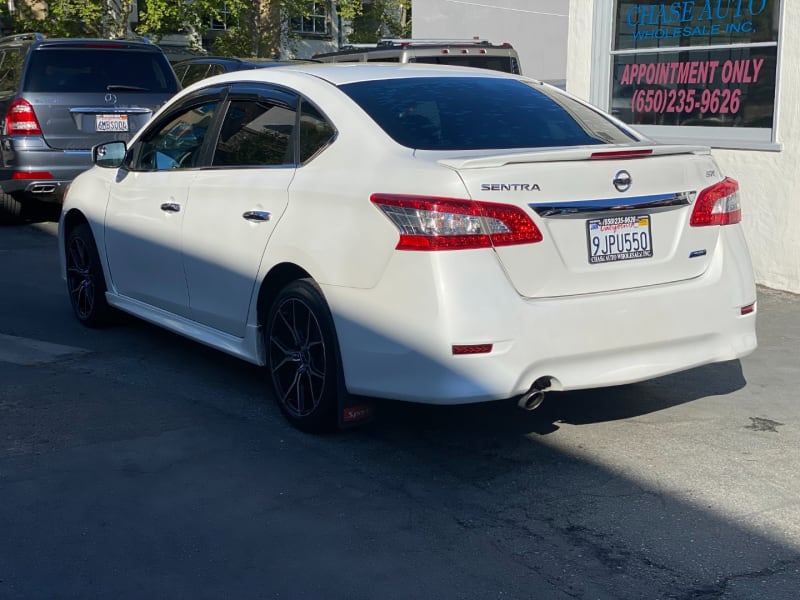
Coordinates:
column 696, row 63
column 695, row 23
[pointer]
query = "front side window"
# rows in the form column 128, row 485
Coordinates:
column 314, row 22
column 178, row 143
column 194, row 73
column 256, row 132
column 474, row 113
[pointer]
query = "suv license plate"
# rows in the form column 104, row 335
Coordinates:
column 111, row 122
column 611, row 239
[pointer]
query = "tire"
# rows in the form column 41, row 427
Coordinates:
column 86, row 283
column 10, row 208
column 303, row 357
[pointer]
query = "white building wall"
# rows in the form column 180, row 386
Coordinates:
column 769, row 181
column 536, row 28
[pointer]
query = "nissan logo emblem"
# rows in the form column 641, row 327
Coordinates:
column 111, row 98
column 622, row 181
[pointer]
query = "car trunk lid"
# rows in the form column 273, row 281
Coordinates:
column 80, row 121
column 612, row 218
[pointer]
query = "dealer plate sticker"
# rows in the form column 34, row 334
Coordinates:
column 612, row 239
column 111, row 122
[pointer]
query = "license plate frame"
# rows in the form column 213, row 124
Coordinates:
column 111, row 123
column 619, row 238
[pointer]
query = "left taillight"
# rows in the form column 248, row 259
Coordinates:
column 717, row 205
column 21, row 119
column 432, row 223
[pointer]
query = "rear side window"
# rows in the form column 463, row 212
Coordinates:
column 10, row 69
column 315, row 131
column 474, row 113
column 64, row 70
column 255, row 133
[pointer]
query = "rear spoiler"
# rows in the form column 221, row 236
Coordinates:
column 607, row 152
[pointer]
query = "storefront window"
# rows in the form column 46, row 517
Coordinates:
column 707, row 67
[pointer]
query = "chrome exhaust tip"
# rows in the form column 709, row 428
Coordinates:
column 533, row 398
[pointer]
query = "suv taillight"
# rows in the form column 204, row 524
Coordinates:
column 21, row 120
column 429, row 223
column 717, row 205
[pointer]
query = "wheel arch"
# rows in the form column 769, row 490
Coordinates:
column 276, row 279
column 69, row 221
column 73, row 218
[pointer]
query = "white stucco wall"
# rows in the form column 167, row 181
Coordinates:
column 769, row 181
column 536, row 28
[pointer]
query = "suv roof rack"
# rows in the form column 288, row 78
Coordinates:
column 133, row 38
column 21, row 37
column 399, row 42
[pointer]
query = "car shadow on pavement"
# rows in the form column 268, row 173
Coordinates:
column 580, row 407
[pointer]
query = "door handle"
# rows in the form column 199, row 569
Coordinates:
column 257, row 215
column 171, row 207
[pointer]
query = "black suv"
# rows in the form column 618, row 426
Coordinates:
column 60, row 97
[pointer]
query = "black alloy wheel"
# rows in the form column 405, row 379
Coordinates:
column 85, row 281
column 302, row 356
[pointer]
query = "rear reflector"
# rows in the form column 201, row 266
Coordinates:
column 32, row 175
column 610, row 154
column 472, row 348
column 750, row 308
column 717, row 205
column 432, row 223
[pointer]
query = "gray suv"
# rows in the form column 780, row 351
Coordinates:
column 60, row 97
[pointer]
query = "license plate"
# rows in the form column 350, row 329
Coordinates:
column 111, row 122
column 612, row 239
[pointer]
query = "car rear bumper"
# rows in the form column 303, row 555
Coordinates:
column 397, row 339
column 41, row 172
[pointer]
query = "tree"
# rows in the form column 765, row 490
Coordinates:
column 72, row 18
column 262, row 26
column 380, row 19
column 266, row 25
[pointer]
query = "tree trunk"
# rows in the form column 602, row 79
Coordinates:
column 265, row 24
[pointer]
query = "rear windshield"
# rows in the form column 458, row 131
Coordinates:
column 65, row 70
column 476, row 113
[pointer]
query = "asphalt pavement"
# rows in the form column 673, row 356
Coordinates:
column 136, row 464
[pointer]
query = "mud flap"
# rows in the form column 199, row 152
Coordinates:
column 353, row 411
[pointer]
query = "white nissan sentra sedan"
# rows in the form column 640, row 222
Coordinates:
column 422, row 233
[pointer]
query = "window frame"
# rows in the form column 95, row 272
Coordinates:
column 297, row 23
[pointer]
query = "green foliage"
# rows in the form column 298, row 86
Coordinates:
column 261, row 26
column 236, row 41
column 65, row 18
column 381, row 19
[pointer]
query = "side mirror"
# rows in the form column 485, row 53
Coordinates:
column 109, row 155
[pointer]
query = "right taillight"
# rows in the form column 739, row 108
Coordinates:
column 432, row 223
column 21, row 120
column 717, row 205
